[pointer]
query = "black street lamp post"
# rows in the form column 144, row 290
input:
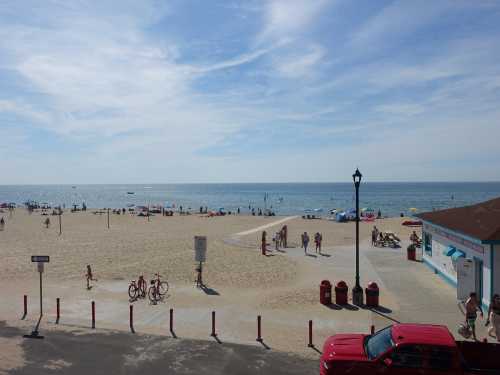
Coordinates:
column 357, row 291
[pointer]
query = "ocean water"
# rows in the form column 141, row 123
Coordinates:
column 284, row 198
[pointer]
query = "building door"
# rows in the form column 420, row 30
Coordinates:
column 466, row 278
column 478, row 265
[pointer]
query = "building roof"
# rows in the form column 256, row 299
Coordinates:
column 480, row 221
column 424, row 334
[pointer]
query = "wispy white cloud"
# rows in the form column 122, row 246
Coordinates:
column 286, row 18
column 299, row 65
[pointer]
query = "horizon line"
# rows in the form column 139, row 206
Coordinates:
column 259, row 183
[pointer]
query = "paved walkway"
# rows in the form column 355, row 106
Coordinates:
column 81, row 353
column 262, row 227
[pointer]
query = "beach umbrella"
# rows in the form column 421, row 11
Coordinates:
column 413, row 209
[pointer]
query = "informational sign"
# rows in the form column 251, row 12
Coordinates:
column 40, row 258
column 200, row 248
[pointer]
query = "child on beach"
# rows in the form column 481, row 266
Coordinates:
column 89, row 276
column 277, row 240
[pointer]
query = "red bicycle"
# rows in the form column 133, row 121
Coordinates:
column 136, row 290
column 158, row 289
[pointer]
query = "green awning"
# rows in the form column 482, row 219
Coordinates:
column 449, row 251
column 457, row 254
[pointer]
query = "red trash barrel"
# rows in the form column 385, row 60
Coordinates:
column 372, row 293
column 411, row 252
column 325, row 293
column 341, row 290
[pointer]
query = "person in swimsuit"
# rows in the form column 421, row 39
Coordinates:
column 472, row 306
column 494, row 317
column 305, row 241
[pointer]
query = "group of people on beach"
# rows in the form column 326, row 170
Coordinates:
column 318, row 239
column 470, row 308
column 280, row 238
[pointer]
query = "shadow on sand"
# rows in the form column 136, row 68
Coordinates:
column 334, row 306
column 209, row 291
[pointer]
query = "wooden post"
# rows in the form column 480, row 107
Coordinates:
column 60, row 222
column 259, row 332
column 58, row 310
column 171, row 320
column 131, row 318
column 213, row 334
column 93, row 314
column 310, row 344
column 108, row 218
column 25, row 305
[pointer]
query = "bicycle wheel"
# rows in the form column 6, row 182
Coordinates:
column 152, row 294
column 163, row 289
column 132, row 291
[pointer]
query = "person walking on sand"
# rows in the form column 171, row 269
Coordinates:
column 374, row 235
column 47, row 222
column 89, row 277
column 472, row 306
column 2, row 223
column 317, row 241
column 305, row 241
column 277, row 240
column 494, row 317
column 263, row 243
column 285, row 236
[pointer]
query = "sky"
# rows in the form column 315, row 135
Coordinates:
column 249, row 91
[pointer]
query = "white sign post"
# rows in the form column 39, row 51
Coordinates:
column 40, row 260
column 200, row 255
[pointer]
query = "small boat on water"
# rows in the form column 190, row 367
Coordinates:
column 130, row 192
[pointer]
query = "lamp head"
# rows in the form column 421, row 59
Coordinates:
column 357, row 176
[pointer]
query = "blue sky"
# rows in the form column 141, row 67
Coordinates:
column 249, row 91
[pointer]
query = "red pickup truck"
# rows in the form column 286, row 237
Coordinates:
column 408, row 349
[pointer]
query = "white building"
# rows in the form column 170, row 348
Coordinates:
column 463, row 246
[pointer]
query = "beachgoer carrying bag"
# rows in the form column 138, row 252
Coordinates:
column 494, row 317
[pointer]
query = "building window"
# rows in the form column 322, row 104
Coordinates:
column 428, row 243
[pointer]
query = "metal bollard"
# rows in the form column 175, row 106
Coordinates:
column 58, row 310
column 93, row 314
column 259, row 332
column 310, row 344
column 213, row 334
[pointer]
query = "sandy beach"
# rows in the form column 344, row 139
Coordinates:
column 282, row 287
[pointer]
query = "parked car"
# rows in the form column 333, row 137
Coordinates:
column 408, row 349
